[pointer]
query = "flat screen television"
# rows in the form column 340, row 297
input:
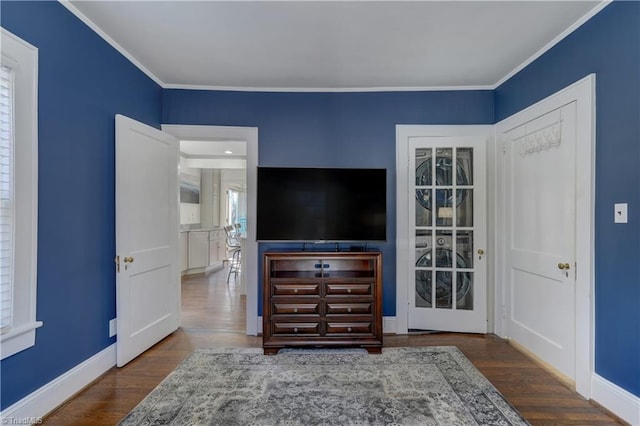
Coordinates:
column 301, row 204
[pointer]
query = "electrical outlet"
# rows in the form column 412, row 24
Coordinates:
column 620, row 213
column 112, row 327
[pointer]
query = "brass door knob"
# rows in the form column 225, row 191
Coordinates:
column 128, row 259
column 564, row 266
column 480, row 252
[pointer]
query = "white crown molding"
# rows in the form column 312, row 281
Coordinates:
column 111, row 41
column 327, row 89
column 519, row 68
column 553, row 42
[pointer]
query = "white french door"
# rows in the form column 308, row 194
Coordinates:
column 447, row 234
column 147, row 237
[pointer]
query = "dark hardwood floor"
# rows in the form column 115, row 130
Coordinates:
column 213, row 315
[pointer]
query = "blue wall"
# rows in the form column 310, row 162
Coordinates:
column 332, row 129
column 83, row 83
column 608, row 45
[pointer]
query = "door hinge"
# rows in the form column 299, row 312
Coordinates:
column 117, row 262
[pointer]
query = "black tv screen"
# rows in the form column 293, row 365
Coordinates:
column 321, row 204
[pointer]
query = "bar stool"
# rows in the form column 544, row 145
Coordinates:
column 233, row 250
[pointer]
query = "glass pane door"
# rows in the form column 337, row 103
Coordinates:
column 445, row 232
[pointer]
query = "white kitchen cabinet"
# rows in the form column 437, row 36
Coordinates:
column 216, row 248
column 206, row 250
column 184, row 251
column 198, row 249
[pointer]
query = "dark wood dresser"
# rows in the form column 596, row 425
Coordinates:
column 322, row 299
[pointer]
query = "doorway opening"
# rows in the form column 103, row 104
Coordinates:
column 229, row 171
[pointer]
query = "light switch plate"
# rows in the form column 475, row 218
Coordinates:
column 620, row 213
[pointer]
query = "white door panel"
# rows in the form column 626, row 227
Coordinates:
column 147, row 237
column 541, row 251
column 528, row 290
column 143, row 292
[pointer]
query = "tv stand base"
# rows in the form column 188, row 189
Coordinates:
column 322, row 299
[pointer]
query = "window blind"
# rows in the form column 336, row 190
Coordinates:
column 6, row 197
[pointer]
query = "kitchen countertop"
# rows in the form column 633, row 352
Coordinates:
column 199, row 229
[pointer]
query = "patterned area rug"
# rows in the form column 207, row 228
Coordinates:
column 402, row 386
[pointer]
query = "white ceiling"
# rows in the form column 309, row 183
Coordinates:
column 213, row 149
column 332, row 45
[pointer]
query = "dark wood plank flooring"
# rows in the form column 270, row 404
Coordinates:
column 213, row 315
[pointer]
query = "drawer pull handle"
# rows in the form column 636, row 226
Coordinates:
column 349, row 290
column 295, row 329
column 349, row 310
column 349, row 329
column 295, row 310
column 295, row 290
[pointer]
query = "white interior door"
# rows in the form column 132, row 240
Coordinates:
column 540, row 256
column 447, row 178
column 147, row 237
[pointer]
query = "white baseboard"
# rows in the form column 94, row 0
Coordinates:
column 44, row 400
column 615, row 399
column 389, row 325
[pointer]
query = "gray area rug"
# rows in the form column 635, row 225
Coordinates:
column 401, row 386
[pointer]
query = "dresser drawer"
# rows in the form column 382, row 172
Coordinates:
column 295, row 328
column 295, row 308
column 288, row 289
column 345, row 289
column 349, row 328
column 350, row 308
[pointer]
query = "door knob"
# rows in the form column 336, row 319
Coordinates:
column 128, row 259
column 564, row 266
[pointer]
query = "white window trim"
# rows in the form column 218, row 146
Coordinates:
column 23, row 59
